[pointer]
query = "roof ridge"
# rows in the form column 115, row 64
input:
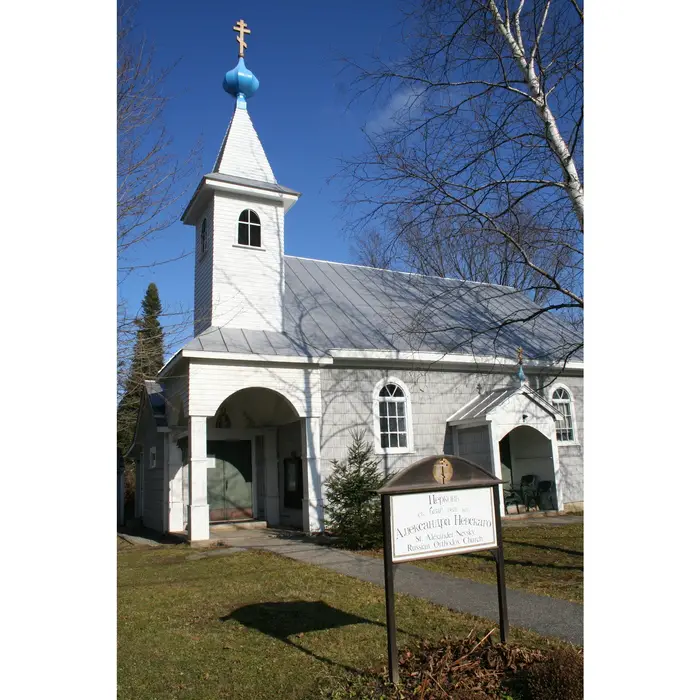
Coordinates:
column 402, row 272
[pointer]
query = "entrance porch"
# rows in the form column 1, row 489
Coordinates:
column 512, row 433
column 253, row 460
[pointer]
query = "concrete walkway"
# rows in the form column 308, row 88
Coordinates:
column 547, row 616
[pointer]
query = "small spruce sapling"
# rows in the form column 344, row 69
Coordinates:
column 353, row 508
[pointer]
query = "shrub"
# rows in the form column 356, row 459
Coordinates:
column 353, row 509
column 558, row 677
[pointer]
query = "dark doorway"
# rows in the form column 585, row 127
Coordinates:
column 230, row 480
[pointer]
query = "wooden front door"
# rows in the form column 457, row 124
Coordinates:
column 230, row 480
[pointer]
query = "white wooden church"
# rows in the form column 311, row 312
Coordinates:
column 291, row 355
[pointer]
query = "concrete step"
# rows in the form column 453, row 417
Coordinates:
column 220, row 528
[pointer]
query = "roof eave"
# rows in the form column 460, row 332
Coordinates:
column 211, row 183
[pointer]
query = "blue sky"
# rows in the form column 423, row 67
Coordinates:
column 302, row 111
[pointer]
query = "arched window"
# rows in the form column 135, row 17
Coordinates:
column 562, row 401
column 392, row 418
column 203, row 240
column 249, row 229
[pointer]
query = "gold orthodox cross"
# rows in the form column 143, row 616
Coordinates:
column 520, row 356
column 242, row 29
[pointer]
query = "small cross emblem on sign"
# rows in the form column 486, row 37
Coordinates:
column 242, row 28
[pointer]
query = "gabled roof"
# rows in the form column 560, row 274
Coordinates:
column 330, row 306
column 478, row 409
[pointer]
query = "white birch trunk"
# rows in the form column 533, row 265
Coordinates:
column 572, row 183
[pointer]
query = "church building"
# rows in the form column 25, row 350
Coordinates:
column 291, row 355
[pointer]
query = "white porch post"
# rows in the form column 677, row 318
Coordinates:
column 272, row 487
column 496, row 460
column 312, row 503
column 198, row 514
column 176, row 516
column 557, row 471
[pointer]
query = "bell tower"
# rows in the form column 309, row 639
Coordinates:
column 238, row 212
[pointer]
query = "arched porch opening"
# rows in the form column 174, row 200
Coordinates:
column 528, row 469
column 254, row 448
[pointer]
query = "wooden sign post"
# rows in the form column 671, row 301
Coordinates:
column 437, row 507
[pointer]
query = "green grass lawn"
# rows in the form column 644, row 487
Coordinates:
column 255, row 625
column 543, row 559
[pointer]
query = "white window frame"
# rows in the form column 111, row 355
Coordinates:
column 152, row 458
column 378, row 449
column 249, row 224
column 572, row 407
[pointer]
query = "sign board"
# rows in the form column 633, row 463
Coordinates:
column 438, row 506
column 438, row 523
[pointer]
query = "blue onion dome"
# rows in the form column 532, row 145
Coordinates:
column 240, row 82
column 520, row 375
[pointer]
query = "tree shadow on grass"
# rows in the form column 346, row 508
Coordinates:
column 544, row 547
column 518, row 562
column 284, row 620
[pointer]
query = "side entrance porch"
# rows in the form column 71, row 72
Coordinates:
column 512, row 433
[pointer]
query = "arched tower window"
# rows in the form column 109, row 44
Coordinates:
column 249, row 229
column 566, row 427
column 392, row 418
column 203, row 238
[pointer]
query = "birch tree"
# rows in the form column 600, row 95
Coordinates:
column 473, row 166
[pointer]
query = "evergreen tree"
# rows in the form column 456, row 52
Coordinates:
column 353, row 508
column 146, row 361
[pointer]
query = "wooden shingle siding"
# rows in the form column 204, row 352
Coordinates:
column 571, row 456
column 202, row 273
column 474, row 445
column 148, row 437
column 435, row 395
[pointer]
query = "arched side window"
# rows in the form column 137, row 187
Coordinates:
column 203, row 237
column 249, row 229
column 393, row 429
column 564, row 403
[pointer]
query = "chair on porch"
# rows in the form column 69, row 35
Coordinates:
column 529, row 490
column 511, row 498
column 545, row 489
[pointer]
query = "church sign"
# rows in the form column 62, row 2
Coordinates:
column 437, row 523
column 440, row 506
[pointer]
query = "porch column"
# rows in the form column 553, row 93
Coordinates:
column 558, row 485
column 312, row 503
column 272, row 481
column 496, row 460
column 198, row 520
column 176, row 516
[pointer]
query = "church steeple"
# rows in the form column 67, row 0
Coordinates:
column 241, row 153
column 238, row 212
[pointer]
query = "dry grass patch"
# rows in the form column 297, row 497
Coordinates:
column 255, row 625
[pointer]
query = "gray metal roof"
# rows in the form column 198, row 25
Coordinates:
column 476, row 409
column 480, row 405
column 340, row 306
column 333, row 305
column 240, row 340
column 248, row 182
